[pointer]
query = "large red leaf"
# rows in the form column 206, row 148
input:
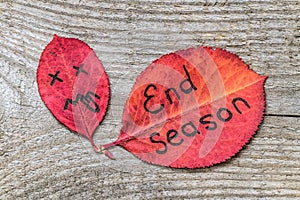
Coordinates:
column 73, row 84
column 192, row 108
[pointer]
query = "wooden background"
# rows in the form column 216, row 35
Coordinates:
column 40, row 158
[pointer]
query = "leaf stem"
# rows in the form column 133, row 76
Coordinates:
column 101, row 149
column 109, row 145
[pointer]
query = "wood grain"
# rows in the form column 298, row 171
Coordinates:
column 40, row 158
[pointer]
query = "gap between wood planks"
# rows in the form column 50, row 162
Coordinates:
column 281, row 115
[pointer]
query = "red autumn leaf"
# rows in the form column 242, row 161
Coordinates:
column 192, row 108
column 73, row 85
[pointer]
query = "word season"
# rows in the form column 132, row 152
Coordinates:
column 86, row 99
column 188, row 129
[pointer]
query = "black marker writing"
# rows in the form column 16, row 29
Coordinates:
column 80, row 69
column 55, row 77
column 86, row 100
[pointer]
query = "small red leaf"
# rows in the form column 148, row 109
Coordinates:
column 192, row 108
column 73, row 85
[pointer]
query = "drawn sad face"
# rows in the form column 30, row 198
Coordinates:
column 73, row 84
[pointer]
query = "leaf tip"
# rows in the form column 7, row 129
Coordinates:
column 265, row 77
column 55, row 37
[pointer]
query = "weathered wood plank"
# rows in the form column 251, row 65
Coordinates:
column 41, row 158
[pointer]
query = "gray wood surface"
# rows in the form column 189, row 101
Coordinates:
column 40, row 158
